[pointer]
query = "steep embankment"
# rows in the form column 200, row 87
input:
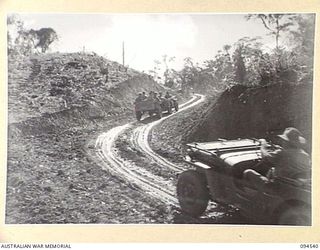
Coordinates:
column 239, row 112
column 256, row 112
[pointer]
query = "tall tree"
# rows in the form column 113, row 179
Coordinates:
column 302, row 41
column 249, row 61
column 226, row 48
column 167, row 74
column 155, row 72
column 188, row 74
column 239, row 66
column 274, row 23
column 220, row 69
column 302, row 37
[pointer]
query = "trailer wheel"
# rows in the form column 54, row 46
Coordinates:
column 169, row 108
column 176, row 106
column 138, row 115
column 193, row 194
column 297, row 215
column 159, row 113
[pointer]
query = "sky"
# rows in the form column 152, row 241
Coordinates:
column 147, row 37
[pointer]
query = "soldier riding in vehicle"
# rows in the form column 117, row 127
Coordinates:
column 267, row 187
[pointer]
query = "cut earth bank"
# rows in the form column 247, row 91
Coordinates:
column 239, row 112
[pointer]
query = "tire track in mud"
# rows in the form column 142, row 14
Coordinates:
column 139, row 137
column 156, row 186
column 128, row 170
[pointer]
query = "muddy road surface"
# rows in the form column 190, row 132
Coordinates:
column 124, row 151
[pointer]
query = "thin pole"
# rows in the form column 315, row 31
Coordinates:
column 123, row 53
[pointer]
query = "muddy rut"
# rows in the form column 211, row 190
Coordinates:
column 157, row 186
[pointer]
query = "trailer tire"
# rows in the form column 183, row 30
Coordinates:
column 169, row 109
column 176, row 106
column 138, row 115
column 159, row 113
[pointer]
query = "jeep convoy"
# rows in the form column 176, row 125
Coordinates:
column 217, row 175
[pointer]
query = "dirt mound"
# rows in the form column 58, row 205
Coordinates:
column 50, row 83
column 256, row 112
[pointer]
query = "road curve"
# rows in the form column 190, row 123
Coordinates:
column 156, row 186
column 139, row 137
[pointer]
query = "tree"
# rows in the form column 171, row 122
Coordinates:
column 226, row 48
column 239, row 66
column 251, row 64
column 44, row 37
column 275, row 23
column 11, row 20
column 302, row 42
column 18, row 41
column 188, row 74
column 167, row 74
column 221, row 65
column 304, row 35
column 155, row 72
column 22, row 41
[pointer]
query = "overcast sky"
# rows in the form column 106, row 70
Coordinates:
column 148, row 36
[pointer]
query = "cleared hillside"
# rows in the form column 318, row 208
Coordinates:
column 49, row 83
column 58, row 105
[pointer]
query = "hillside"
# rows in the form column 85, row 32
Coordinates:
column 49, row 83
column 238, row 112
column 58, row 105
column 256, row 112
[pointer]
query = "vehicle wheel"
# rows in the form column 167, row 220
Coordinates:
column 159, row 113
column 297, row 215
column 192, row 193
column 169, row 109
column 138, row 115
column 176, row 106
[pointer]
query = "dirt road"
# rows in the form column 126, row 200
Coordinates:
column 155, row 185
column 125, row 152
